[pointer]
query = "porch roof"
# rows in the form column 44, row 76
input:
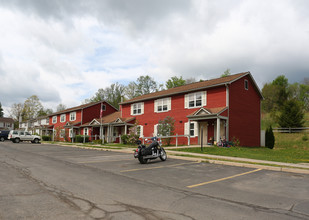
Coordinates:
column 206, row 113
column 72, row 124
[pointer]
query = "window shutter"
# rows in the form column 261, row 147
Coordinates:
column 155, row 130
column 156, row 106
column 141, row 131
column 132, row 109
column 142, row 108
column 186, row 101
column 204, row 98
column 195, row 129
column 186, row 128
column 169, row 103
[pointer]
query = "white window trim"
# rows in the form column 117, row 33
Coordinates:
column 86, row 131
column 71, row 114
column 246, row 82
column 54, row 119
column 136, row 104
column 70, row 132
column 159, row 102
column 141, row 127
column 62, row 133
column 187, row 128
column 204, row 98
column 64, row 118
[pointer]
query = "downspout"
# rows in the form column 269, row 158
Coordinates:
column 228, row 112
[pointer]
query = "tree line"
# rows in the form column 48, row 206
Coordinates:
column 117, row 93
column 285, row 102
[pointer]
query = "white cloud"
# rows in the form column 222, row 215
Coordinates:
column 65, row 51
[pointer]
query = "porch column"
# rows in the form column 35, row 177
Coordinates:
column 218, row 129
column 125, row 129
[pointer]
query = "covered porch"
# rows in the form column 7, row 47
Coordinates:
column 211, row 125
column 110, row 128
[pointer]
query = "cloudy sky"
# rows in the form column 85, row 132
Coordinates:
column 65, row 50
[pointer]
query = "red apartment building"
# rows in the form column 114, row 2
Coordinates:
column 223, row 108
column 69, row 122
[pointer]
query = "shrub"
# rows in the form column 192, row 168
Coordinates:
column 305, row 137
column 235, row 141
column 99, row 141
column 46, row 138
column 269, row 138
column 124, row 138
column 80, row 138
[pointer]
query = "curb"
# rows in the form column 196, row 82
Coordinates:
column 216, row 160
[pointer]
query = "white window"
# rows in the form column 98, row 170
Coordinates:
column 162, row 105
column 72, row 116
column 194, row 100
column 191, row 129
column 62, row 133
column 71, row 133
column 62, row 118
column 137, row 108
column 54, row 119
column 157, row 133
column 139, row 130
column 85, row 131
column 246, row 84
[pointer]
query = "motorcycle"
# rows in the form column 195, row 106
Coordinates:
column 153, row 151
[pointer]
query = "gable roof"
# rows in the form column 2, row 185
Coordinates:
column 194, row 87
column 80, row 107
column 7, row 120
column 111, row 118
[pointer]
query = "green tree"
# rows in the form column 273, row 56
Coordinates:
column 44, row 112
column 174, row 82
column 226, row 73
column 1, row 111
column 166, row 127
column 131, row 90
column 281, row 82
column 292, row 114
column 301, row 93
column 269, row 138
column 146, row 85
column 31, row 107
column 60, row 107
column 112, row 94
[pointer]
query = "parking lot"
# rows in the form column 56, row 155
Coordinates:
column 179, row 189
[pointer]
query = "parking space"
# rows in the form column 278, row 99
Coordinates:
column 245, row 185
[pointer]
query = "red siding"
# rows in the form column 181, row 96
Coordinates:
column 244, row 113
column 94, row 112
column 215, row 98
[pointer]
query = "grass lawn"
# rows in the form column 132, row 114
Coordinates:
column 289, row 148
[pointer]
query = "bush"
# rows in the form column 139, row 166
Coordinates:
column 80, row 138
column 46, row 138
column 269, row 138
column 305, row 137
column 124, row 138
column 97, row 141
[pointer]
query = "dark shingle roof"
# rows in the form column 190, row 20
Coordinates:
column 189, row 87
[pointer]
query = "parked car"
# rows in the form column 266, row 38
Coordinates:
column 17, row 136
column 4, row 135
